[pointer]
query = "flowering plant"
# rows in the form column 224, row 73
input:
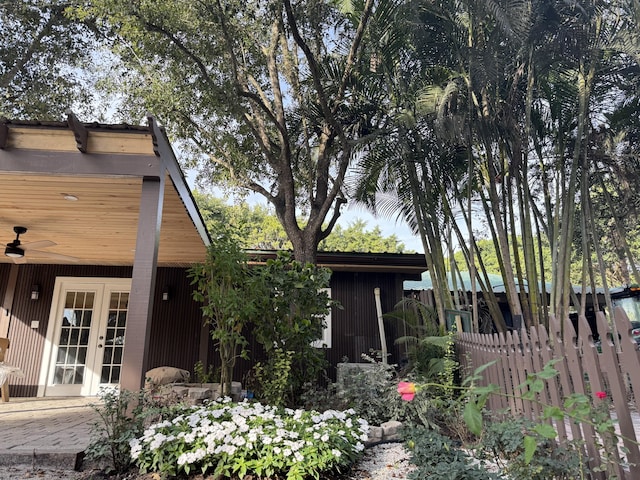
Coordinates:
column 407, row 390
column 234, row 440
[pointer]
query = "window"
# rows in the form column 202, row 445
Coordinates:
column 325, row 341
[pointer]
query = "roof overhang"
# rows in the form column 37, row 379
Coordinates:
column 409, row 263
column 80, row 187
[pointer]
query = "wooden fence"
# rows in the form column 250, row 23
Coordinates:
column 582, row 369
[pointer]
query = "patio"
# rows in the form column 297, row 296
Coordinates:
column 45, row 431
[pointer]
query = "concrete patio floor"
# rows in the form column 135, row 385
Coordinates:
column 46, row 431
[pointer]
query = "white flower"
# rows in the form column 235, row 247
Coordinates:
column 336, row 453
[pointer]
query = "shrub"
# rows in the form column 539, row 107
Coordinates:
column 371, row 392
column 232, row 440
column 504, row 440
column 436, row 456
column 273, row 377
column 120, row 420
column 122, row 417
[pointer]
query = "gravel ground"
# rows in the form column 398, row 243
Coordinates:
column 387, row 461
column 383, row 462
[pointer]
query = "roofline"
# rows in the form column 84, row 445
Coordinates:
column 357, row 261
column 166, row 153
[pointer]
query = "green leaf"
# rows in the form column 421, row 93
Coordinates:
column 473, row 418
column 487, row 390
column 546, row 430
column 530, row 446
column 548, row 371
column 551, row 411
column 482, row 368
column 537, row 385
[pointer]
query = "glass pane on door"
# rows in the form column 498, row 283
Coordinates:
column 114, row 337
column 74, row 338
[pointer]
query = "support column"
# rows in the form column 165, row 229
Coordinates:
column 136, row 349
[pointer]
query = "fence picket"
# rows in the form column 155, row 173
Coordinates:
column 560, row 348
column 618, row 393
column 515, row 372
column 581, row 369
column 555, row 398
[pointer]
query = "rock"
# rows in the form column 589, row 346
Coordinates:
column 198, row 393
column 391, row 431
column 165, row 375
column 375, row 435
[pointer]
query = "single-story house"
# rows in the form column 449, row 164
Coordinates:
column 99, row 229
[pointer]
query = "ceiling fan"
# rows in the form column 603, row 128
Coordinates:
column 16, row 250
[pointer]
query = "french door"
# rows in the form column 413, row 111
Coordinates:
column 86, row 336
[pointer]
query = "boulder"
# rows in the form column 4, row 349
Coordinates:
column 375, row 435
column 391, row 431
column 165, row 375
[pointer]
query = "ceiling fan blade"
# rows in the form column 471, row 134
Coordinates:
column 58, row 256
column 38, row 244
column 19, row 260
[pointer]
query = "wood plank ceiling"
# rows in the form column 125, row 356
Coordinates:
column 91, row 218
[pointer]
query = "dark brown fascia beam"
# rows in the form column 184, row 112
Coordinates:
column 163, row 149
column 75, row 163
column 79, row 131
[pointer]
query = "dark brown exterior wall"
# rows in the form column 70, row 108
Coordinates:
column 355, row 327
column 177, row 323
column 175, row 332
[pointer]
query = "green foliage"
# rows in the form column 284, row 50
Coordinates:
column 273, row 377
column 222, row 284
column 356, row 238
column 122, row 417
column 292, row 306
column 255, row 226
column 249, row 440
column 256, row 113
column 535, row 440
column 508, row 443
column 426, row 360
column 436, row 456
column 371, row 391
column 42, row 56
column 120, row 421
column 258, row 228
column 203, row 375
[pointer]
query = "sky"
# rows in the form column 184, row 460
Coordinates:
column 388, row 226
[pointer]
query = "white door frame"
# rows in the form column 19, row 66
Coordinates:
column 100, row 285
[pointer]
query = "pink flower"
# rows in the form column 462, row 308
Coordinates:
column 601, row 395
column 407, row 390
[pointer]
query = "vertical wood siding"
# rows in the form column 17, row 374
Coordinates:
column 177, row 323
column 175, row 332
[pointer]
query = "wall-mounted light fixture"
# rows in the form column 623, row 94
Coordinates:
column 35, row 292
column 165, row 293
